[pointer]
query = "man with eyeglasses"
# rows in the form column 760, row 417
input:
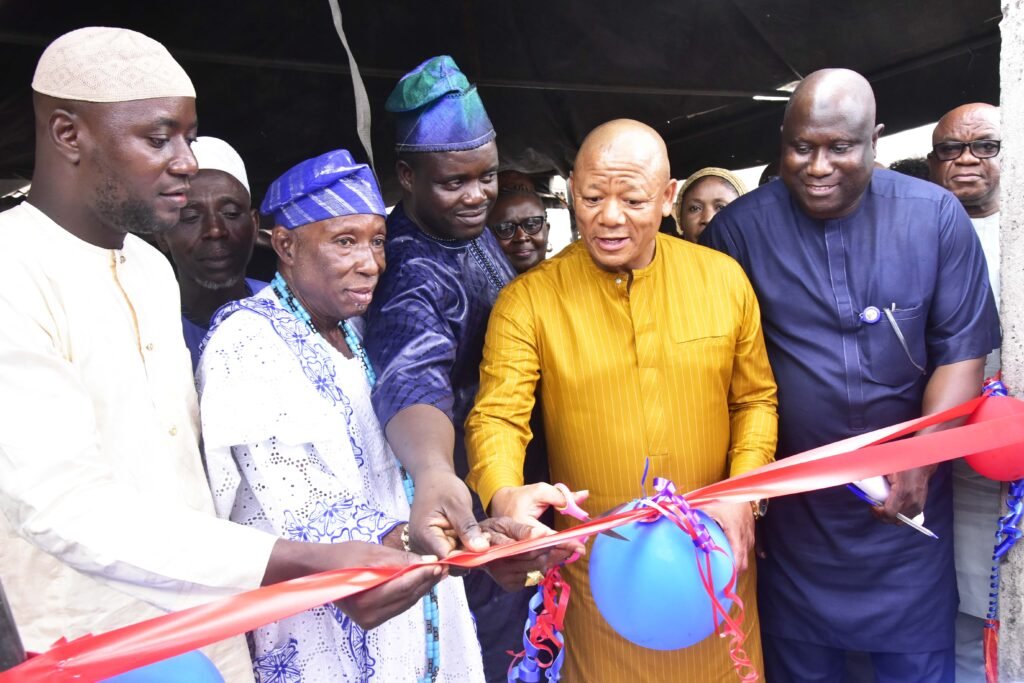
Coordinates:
column 876, row 309
column 965, row 160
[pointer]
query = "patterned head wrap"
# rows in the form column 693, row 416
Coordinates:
column 100, row 64
column 727, row 176
column 331, row 185
column 213, row 154
column 437, row 110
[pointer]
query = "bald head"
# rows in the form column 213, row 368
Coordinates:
column 828, row 142
column 621, row 189
column 978, row 114
column 829, row 92
column 630, row 140
column 969, row 172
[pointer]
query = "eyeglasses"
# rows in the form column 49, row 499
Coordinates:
column 507, row 229
column 981, row 149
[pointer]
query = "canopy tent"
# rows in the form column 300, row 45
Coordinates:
column 274, row 79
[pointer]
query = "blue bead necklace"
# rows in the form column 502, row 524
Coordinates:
column 431, row 615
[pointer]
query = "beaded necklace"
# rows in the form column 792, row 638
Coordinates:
column 431, row 615
column 296, row 308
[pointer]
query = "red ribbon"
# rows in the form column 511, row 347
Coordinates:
column 96, row 657
column 990, row 646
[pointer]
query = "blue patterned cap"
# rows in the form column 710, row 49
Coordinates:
column 437, row 110
column 331, row 185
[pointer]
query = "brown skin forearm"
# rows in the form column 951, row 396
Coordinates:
column 393, row 539
column 290, row 560
column 949, row 386
column 293, row 559
column 369, row 608
column 422, row 438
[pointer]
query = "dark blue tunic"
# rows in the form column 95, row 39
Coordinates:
column 425, row 328
column 425, row 337
column 834, row 575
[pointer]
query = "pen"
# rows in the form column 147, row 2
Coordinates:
column 899, row 515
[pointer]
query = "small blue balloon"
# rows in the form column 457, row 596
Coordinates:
column 193, row 667
column 650, row 591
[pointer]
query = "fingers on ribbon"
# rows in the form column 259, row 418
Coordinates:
column 470, row 533
column 433, row 541
column 515, row 530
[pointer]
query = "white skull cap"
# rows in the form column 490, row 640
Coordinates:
column 101, row 64
column 213, row 154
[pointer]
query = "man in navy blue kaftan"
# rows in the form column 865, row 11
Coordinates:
column 425, row 327
column 845, row 260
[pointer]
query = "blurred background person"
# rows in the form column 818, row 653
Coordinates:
column 213, row 240
column 965, row 160
column 701, row 197
column 520, row 223
column 915, row 167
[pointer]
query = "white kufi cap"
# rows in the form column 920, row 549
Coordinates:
column 213, row 154
column 100, row 64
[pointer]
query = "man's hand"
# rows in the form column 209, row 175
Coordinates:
column 526, row 503
column 442, row 515
column 737, row 521
column 908, row 494
column 511, row 573
column 423, row 438
column 371, row 608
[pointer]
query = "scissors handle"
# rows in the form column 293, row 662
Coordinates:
column 570, row 508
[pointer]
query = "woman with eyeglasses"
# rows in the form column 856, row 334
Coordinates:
column 701, row 197
column 520, row 224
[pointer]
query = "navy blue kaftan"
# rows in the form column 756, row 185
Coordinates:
column 425, row 336
column 834, row 575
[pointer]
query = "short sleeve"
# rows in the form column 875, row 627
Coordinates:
column 962, row 322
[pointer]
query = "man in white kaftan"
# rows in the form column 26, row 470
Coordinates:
column 106, row 518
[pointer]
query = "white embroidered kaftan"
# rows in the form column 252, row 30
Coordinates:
column 293, row 447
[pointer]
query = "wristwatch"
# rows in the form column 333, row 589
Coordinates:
column 759, row 508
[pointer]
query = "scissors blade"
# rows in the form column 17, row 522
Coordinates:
column 915, row 526
column 857, row 491
column 612, row 532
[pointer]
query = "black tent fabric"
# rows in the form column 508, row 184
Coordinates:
column 272, row 76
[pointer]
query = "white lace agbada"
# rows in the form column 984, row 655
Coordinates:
column 293, row 447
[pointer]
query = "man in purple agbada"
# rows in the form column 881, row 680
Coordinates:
column 425, row 327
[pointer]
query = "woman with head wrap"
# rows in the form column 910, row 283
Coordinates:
column 703, row 195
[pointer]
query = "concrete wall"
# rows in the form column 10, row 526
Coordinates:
column 1011, row 73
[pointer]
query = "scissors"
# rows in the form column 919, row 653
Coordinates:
column 573, row 510
column 899, row 515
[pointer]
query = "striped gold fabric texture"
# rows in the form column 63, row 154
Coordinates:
column 667, row 364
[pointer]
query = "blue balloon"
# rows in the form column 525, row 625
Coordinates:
column 193, row 667
column 649, row 589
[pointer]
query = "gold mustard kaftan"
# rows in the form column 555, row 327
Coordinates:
column 668, row 364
